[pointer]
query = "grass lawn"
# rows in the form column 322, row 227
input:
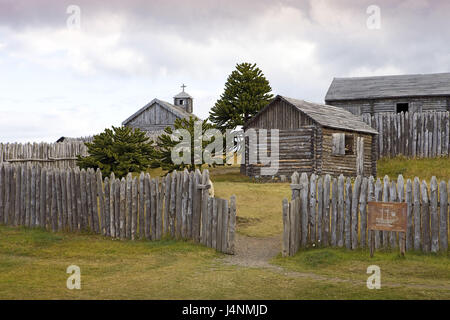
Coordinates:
column 424, row 169
column 33, row 266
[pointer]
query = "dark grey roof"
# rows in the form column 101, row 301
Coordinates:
column 326, row 116
column 183, row 94
column 437, row 84
column 180, row 112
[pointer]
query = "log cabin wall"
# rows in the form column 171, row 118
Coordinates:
column 345, row 164
column 296, row 152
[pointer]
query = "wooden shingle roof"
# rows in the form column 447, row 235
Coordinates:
column 178, row 111
column 437, row 84
column 325, row 115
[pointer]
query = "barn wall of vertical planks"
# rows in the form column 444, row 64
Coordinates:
column 416, row 135
column 332, row 212
column 176, row 206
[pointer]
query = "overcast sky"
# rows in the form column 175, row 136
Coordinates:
column 60, row 81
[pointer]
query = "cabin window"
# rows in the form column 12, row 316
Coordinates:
column 342, row 144
column 181, row 102
column 349, row 143
column 402, row 107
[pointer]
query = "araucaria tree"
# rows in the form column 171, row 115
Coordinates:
column 120, row 150
column 246, row 92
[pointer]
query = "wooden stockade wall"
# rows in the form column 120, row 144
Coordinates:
column 331, row 212
column 419, row 134
column 177, row 205
column 50, row 155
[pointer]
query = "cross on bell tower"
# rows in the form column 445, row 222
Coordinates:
column 184, row 100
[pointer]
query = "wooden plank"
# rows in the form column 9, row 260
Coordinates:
column 54, row 214
column 134, row 208
column 220, row 227
column 348, row 214
column 123, row 208
column 214, row 223
column 434, row 215
column 63, row 177
column 363, row 212
column 225, row 226
column 2, row 188
column 204, row 214
column 286, row 228
column 393, row 198
column 58, row 190
column 178, row 205
column 166, row 230
column 355, row 216
column 141, row 206
column 425, row 221
column 95, row 204
column 312, row 209
column 148, row 195
column 18, row 196
column 33, row 195
column 417, row 215
column 77, row 200
column 159, row 208
column 334, row 213
column 385, row 234
column 184, row 206
column 83, row 198
column 209, row 228
column 196, row 219
column 101, row 200
column 129, row 206
column 153, row 208
column 69, row 198
column 117, row 206
column 443, row 224
column 319, row 211
column 341, row 211
column 370, row 197
column 112, row 205
column 173, row 190
column 191, row 204
column 232, row 225
column 304, row 209
column 409, row 215
column 107, row 207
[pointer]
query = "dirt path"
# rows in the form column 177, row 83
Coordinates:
column 257, row 252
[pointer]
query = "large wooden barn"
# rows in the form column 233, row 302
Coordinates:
column 399, row 93
column 313, row 138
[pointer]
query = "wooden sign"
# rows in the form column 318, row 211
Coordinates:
column 387, row 216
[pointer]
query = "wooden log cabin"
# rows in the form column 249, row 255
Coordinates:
column 393, row 94
column 313, row 138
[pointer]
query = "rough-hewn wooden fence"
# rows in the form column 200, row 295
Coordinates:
column 54, row 155
column 177, row 206
column 327, row 211
column 420, row 134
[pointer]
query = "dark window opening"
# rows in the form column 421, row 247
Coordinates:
column 181, row 102
column 349, row 142
column 402, row 107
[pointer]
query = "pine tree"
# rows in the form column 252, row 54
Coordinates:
column 246, row 92
column 120, row 150
column 165, row 144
